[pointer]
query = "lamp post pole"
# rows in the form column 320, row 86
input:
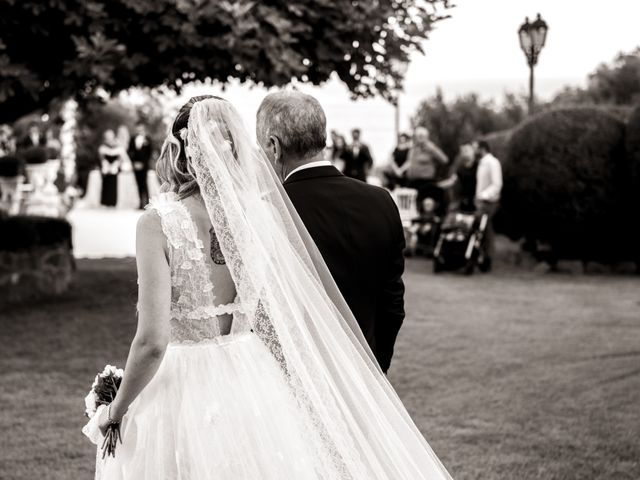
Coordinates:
column 532, row 38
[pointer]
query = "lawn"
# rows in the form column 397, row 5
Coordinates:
column 509, row 376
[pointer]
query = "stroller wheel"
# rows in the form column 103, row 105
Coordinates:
column 437, row 266
column 469, row 267
column 485, row 265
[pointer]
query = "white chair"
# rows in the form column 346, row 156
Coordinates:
column 406, row 199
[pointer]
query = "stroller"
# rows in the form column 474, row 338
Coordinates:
column 424, row 230
column 460, row 242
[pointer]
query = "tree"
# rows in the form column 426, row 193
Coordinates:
column 617, row 83
column 59, row 48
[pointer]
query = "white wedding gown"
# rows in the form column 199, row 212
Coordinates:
column 291, row 391
column 218, row 407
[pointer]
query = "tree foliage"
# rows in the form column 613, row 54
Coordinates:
column 455, row 123
column 57, row 48
column 617, row 83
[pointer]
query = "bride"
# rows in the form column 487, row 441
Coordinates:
column 247, row 363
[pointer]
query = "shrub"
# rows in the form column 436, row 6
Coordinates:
column 499, row 143
column 34, row 155
column 633, row 151
column 25, row 232
column 566, row 183
column 11, row 166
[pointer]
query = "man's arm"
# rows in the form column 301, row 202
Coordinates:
column 390, row 314
column 368, row 160
column 437, row 153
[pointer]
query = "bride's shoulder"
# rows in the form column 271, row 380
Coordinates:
column 149, row 223
column 163, row 202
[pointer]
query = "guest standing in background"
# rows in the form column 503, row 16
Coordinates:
column 488, row 189
column 339, row 151
column 111, row 154
column 424, row 161
column 358, row 161
column 465, row 170
column 34, row 138
column 397, row 172
column 140, row 150
column 52, row 142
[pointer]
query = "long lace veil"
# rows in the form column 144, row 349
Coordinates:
column 292, row 303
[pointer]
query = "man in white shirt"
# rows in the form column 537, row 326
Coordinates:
column 488, row 189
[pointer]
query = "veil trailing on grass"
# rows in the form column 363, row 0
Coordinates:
column 291, row 301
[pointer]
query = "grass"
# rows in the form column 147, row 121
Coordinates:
column 509, row 376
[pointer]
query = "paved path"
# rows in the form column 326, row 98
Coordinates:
column 103, row 232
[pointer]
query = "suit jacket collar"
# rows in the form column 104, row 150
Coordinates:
column 315, row 172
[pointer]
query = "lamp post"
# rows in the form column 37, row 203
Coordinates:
column 400, row 68
column 532, row 38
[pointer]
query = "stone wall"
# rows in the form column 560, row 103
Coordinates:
column 36, row 272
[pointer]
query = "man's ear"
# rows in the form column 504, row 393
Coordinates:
column 276, row 148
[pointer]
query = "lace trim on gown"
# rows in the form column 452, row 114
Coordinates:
column 194, row 314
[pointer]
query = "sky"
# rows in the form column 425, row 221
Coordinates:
column 477, row 50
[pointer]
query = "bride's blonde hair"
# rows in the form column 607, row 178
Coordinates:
column 174, row 169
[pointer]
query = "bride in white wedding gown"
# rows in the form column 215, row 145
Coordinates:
column 247, row 363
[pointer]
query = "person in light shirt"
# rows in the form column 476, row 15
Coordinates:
column 488, row 189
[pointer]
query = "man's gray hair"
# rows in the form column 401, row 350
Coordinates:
column 296, row 119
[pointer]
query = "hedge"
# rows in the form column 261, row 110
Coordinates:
column 25, row 232
column 11, row 166
column 567, row 184
column 633, row 151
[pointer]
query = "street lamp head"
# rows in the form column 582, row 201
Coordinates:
column 525, row 37
column 539, row 29
column 532, row 38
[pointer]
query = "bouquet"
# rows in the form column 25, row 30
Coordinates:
column 103, row 392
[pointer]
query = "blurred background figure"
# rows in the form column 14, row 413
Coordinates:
column 33, row 138
column 465, row 169
column 111, row 155
column 488, row 189
column 339, row 150
column 396, row 173
column 7, row 140
column 52, row 142
column 358, row 161
column 128, row 197
column 424, row 160
column 140, row 149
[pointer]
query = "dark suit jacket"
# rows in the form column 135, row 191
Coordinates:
column 358, row 231
column 356, row 166
column 141, row 155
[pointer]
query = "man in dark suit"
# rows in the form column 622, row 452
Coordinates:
column 359, row 161
column 356, row 226
column 139, row 151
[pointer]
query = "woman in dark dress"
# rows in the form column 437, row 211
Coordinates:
column 110, row 153
column 397, row 172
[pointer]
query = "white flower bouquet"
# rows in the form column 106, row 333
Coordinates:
column 103, row 391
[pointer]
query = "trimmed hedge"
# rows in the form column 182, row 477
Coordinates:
column 26, row 232
column 11, row 166
column 34, row 155
column 633, row 151
column 567, row 184
column 499, row 143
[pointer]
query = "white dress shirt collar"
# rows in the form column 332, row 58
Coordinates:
column 319, row 163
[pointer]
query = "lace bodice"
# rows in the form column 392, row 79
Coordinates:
column 194, row 312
